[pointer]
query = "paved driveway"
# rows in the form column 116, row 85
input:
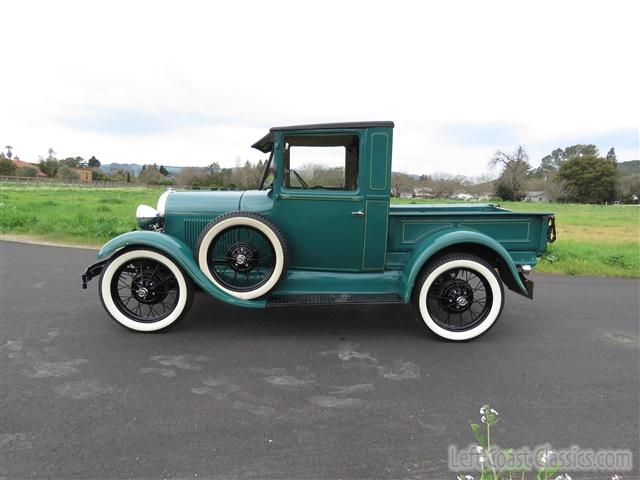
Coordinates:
column 348, row 392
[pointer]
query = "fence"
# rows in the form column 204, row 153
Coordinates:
column 13, row 180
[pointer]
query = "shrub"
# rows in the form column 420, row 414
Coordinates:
column 67, row 173
column 26, row 171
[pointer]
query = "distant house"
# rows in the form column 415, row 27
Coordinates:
column 462, row 196
column 406, row 194
column 536, row 196
column 20, row 164
column 424, row 192
column 85, row 174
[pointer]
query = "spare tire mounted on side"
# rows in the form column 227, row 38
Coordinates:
column 243, row 254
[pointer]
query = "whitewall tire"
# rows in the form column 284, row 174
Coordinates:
column 145, row 290
column 243, row 254
column 458, row 297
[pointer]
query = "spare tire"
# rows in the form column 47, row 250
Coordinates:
column 243, row 254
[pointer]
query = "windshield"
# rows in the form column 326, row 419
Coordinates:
column 268, row 175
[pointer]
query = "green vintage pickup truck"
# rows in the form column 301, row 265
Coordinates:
column 320, row 230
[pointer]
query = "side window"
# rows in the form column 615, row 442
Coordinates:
column 321, row 162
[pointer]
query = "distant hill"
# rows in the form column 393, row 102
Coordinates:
column 632, row 167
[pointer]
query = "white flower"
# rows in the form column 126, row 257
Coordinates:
column 544, row 458
column 466, row 477
column 479, row 449
column 483, row 419
column 616, row 477
column 563, row 477
column 494, row 412
column 483, row 410
column 481, row 459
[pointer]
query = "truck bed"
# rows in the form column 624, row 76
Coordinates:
column 422, row 209
column 523, row 234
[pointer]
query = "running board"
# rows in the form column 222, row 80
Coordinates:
column 332, row 299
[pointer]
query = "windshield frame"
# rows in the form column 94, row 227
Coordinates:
column 267, row 167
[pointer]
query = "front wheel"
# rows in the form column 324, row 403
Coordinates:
column 458, row 297
column 144, row 290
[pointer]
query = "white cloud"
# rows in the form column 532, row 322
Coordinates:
column 547, row 71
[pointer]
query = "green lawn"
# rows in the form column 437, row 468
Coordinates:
column 71, row 215
column 592, row 239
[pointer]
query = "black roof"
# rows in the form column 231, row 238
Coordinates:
column 265, row 144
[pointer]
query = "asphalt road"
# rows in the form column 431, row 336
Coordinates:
column 342, row 392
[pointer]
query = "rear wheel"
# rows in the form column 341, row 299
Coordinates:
column 144, row 290
column 458, row 297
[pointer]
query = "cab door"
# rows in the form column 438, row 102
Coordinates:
column 319, row 205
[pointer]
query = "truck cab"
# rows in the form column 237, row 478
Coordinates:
column 334, row 181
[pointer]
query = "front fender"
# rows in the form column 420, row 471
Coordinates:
column 180, row 253
column 431, row 245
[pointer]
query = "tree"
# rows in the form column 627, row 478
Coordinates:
column 611, row 155
column 402, row 182
column 118, row 174
column 589, row 179
column 50, row 165
column 98, row 175
column 71, row 162
column 551, row 163
column 9, row 153
column 444, row 185
column 93, row 162
column 555, row 188
column 151, row 175
column 581, row 150
column 27, row 171
column 190, row 176
column 7, row 167
column 65, row 172
column 515, row 165
column 163, row 170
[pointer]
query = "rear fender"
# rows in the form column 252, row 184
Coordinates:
column 430, row 246
column 180, row 253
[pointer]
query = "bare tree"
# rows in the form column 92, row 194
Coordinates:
column 555, row 188
column 515, row 165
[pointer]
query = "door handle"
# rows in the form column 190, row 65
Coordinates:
column 358, row 213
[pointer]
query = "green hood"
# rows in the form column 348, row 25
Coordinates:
column 203, row 203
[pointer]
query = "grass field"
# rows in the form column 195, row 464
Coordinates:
column 592, row 239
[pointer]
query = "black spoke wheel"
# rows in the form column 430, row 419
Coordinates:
column 459, row 299
column 244, row 254
column 145, row 290
column 241, row 258
column 458, row 296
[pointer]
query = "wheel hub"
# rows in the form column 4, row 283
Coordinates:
column 147, row 288
column 142, row 292
column 243, row 257
column 457, row 296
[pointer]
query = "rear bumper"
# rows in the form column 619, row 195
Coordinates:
column 92, row 271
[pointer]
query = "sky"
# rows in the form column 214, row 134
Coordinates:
column 191, row 83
